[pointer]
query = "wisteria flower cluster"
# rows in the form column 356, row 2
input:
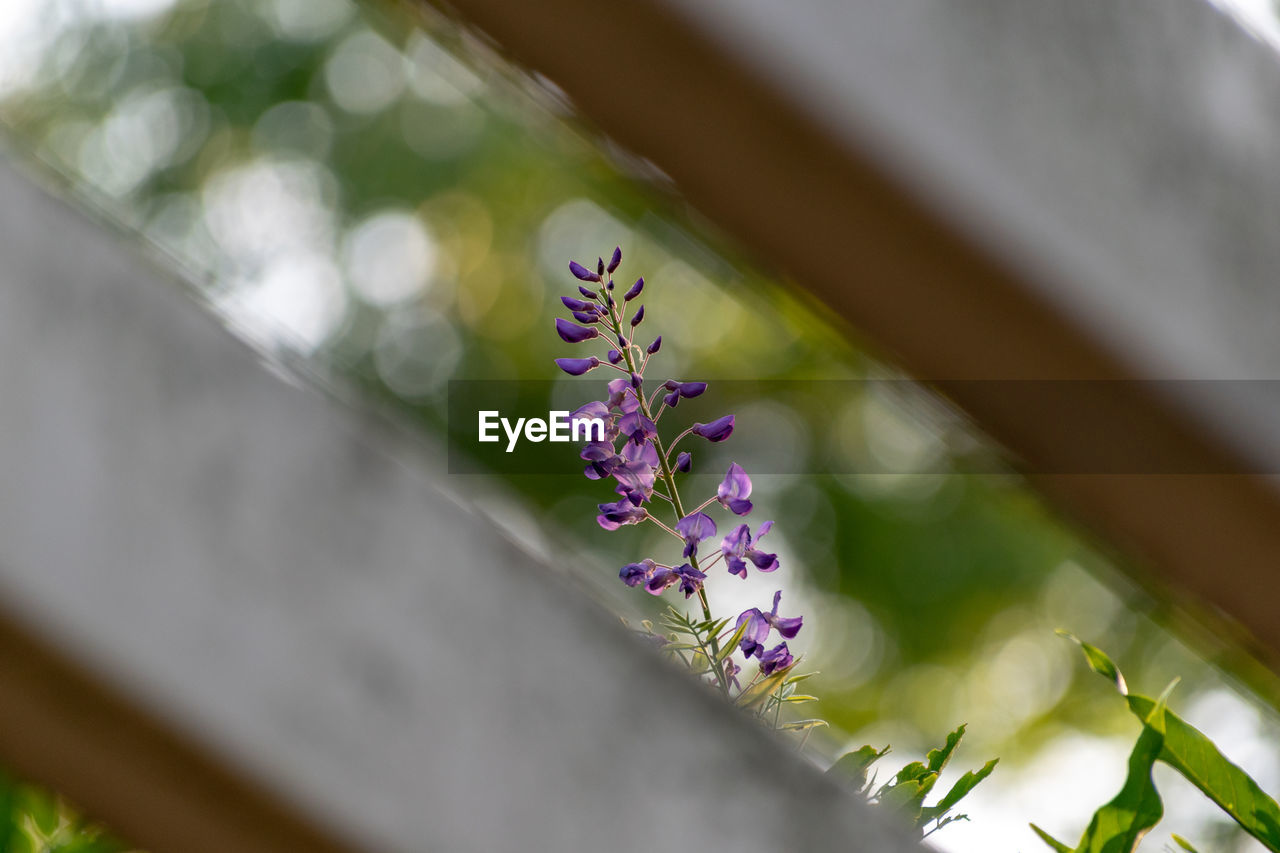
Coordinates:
column 645, row 473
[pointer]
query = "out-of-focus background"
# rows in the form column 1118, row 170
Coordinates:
column 375, row 192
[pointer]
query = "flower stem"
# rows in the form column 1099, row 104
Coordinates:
column 668, row 477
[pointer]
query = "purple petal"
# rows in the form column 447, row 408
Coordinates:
column 692, row 389
column 577, row 366
column 615, row 260
column 671, row 399
column 735, row 489
column 788, row 626
column 636, row 320
column 655, row 346
column 752, row 642
column 634, row 574
column 587, row 292
column 576, row 304
column 775, row 659
column 684, row 463
column 717, row 430
column 581, row 272
column 585, row 317
column 694, row 528
column 635, row 290
column 571, row 333
column 614, row 356
column 663, row 577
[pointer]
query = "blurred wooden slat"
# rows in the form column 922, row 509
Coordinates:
column 1059, row 189
column 244, row 618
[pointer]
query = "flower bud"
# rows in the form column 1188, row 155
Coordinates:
column 582, row 273
column 614, row 356
column 635, row 290
column 636, row 320
column 577, row 366
column 572, row 333
column 684, row 462
column 615, row 260
column 717, row 430
column 655, row 346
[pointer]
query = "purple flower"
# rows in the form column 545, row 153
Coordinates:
column 615, row 260
column 601, row 458
column 615, row 515
column 634, row 574
column 576, row 304
column 734, row 490
column 775, row 659
column 717, row 430
column 739, row 546
column 693, row 529
column 621, row 395
column 636, row 320
column 614, row 356
column 577, row 366
column 635, row 290
column 572, row 333
column 582, row 273
column 690, row 389
column 689, row 578
column 636, row 427
column 684, row 463
column 655, row 346
column 759, row 624
column 635, row 471
column 731, row 671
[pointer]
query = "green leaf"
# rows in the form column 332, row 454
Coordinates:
column 800, row 697
column 796, row 679
column 1050, row 840
column 762, row 689
column 1187, row 750
column 960, row 789
column 731, row 644
column 855, row 764
column 1191, row 753
column 1119, row 826
column 1099, row 662
column 799, row 725
column 938, row 758
column 906, row 794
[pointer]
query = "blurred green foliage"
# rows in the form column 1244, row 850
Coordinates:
column 34, row 821
column 387, row 198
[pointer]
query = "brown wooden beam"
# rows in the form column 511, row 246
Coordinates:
column 65, row 728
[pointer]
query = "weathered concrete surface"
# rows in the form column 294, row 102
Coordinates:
column 282, row 582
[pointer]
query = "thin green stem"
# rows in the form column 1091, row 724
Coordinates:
column 669, row 479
